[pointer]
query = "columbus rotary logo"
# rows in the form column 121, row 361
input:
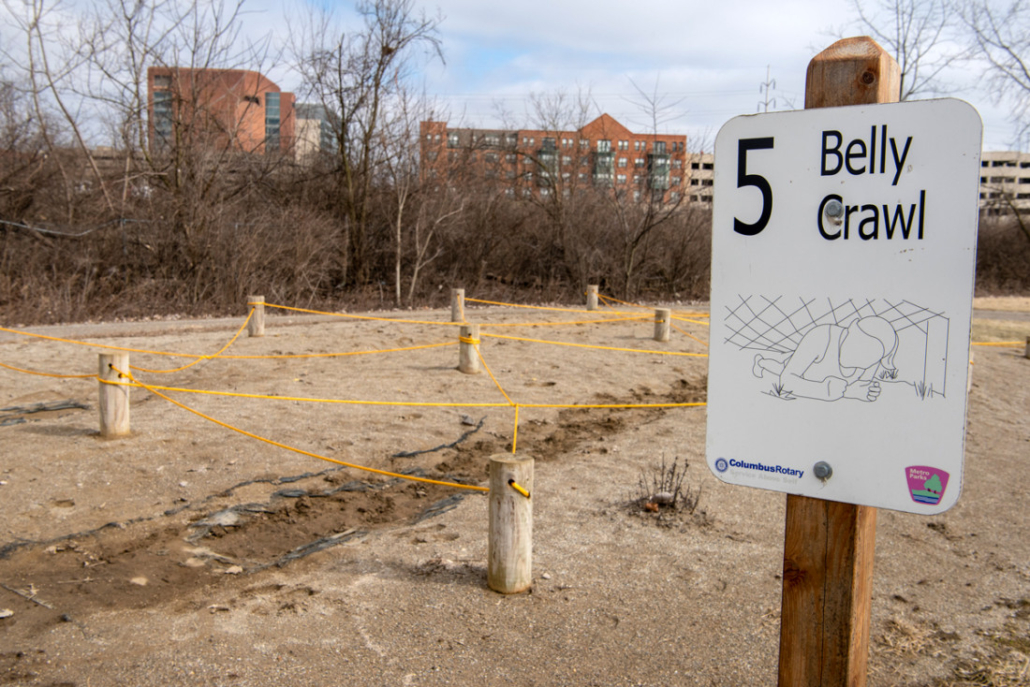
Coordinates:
column 721, row 465
column 926, row 484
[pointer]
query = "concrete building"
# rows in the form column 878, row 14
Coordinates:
column 218, row 109
column 314, row 130
column 534, row 163
column 1004, row 182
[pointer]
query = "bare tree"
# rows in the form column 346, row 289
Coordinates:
column 1002, row 38
column 356, row 76
column 922, row 36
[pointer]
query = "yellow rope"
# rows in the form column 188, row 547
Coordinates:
column 518, row 487
column 47, row 374
column 96, row 345
column 691, row 321
column 363, row 317
column 496, row 383
column 223, row 357
column 681, row 316
column 556, row 324
column 294, row 448
column 335, row 355
column 515, row 434
column 303, row 399
column 602, row 348
column 686, row 333
column 468, row 340
column 537, row 307
column 207, row 357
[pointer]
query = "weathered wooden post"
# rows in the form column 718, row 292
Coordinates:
column 592, row 297
column 662, row 324
column 114, row 399
column 256, row 326
column 1028, row 347
column 457, row 305
column 468, row 349
column 829, row 546
column 510, row 548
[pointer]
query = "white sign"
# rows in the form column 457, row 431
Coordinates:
column 843, row 260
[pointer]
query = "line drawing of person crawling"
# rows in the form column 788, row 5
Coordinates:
column 833, row 362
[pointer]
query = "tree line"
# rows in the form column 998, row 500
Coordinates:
column 130, row 229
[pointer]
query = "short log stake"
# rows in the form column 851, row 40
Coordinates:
column 468, row 347
column 256, row 326
column 592, row 297
column 828, row 547
column 113, row 399
column 510, row 549
column 662, row 324
column 457, row 305
column 1028, row 347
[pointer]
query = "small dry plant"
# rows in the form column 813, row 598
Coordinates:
column 661, row 488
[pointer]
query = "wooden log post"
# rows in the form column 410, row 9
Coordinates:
column 114, row 400
column 662, row 324
column 1028, row 347
column 468, row 349
column 829, row 547
column 592, row 297
column 457, row 305
column 256, row 326
column 510, row 548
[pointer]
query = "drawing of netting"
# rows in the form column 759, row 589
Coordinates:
column 777, row 325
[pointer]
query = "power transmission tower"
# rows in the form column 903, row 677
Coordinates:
column 766, row 88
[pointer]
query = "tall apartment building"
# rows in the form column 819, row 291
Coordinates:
column 536, row 163
column 219, row 109
column 1004, row 182
column 315, row 131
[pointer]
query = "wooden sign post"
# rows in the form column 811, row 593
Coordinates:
column 829, row 546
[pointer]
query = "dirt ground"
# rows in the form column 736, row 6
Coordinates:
column 189, row 554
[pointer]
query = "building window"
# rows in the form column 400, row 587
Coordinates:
column 659, row 148
column 695, row 165
column 510, row 192
column 621, row 178
column 492, row 157
column 604, row 146
column 566, row 143
column 271, row 122
column 511, row 157
column 583, row 176
column 163, row 115
column 623, row 145
column 676, row 181
column 431, row 155
column 492, row 140
column 636, row 196
column 677, row 164
column 584, row 144
column 708, row 165
column 452, row 140
column 638, row 162
column 511, row 139
column 623, row 161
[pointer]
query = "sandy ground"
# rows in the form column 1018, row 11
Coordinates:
column 189, row 554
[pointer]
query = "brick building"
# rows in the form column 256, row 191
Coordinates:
column 218, row 109
column 603, row 154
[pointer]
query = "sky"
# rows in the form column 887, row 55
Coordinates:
column 706, row 61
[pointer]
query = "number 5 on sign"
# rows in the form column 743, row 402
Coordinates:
column 756, row 180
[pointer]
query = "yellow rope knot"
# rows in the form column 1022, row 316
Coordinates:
column 518, row 487
column 468, row 340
